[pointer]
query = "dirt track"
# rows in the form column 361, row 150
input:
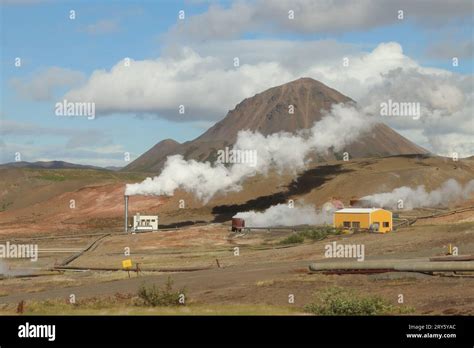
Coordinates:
column 272, row 283
column 196, row 282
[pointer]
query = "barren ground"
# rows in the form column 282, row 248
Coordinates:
column 264, row 273
column 35, row 208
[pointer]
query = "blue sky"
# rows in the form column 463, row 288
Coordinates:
column 105, row 32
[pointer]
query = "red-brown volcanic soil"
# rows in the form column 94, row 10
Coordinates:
column 91, row 202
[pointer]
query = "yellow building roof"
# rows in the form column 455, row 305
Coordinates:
column 357, row 210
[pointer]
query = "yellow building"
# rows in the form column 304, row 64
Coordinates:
column 377, row 220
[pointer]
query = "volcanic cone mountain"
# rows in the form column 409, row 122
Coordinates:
column 268, row 113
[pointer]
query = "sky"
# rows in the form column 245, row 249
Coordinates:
column 138, row 61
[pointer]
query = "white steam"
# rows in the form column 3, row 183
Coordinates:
column 283, row 151
column 283, row 215
column 449, row 192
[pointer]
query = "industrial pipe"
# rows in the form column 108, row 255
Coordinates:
column 126, row 213
column 400, row 266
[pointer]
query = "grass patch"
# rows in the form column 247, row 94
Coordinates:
column 314, row 234
column 166, row 296
column 94, row 175
column 52, row 177
column 292, row 239
column 339, row 301
column 321, row 232
column 130, row 304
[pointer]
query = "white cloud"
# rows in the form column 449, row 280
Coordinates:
column 312, row 16
column 447, row 49
column 103, row 26
column 294, row 56
column 42, row 85
column 446, row 100
column 205, row 82
column 83, row 146
column 90, row 155
column 76, row 138
column 23, row 2
column 208, row 85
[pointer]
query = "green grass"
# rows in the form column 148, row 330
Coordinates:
column 321, row 232
column 293, row 239
column 128, row 304
column 52, row 177
column 64, row 174
column 149, row 300
column 339, row 301
column 316, row 233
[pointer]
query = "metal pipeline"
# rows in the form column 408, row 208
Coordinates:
column 397, row 266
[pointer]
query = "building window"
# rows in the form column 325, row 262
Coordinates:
column 355, row 224
column 386, row 224
column 347, row 224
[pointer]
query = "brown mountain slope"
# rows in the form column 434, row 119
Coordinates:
column 150, row 158
column 268, row 112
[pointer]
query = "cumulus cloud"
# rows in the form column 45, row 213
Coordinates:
column 294, row 56
column 208, row 85
column 43, row 85
column 446, row 107
column 313, row 17
column 204, row 85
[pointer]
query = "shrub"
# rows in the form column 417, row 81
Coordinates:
column 320, row 232
column 293, row 239
column 339, row 301
column 155, row 296
column 317, row 233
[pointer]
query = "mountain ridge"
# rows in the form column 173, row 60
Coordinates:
column 268, row 112
column 50, row 165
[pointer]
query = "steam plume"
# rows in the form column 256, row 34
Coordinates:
column 449, row 192
column 283, row 215
column 283, row 151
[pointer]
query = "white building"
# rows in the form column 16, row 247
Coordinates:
column 143, row 223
